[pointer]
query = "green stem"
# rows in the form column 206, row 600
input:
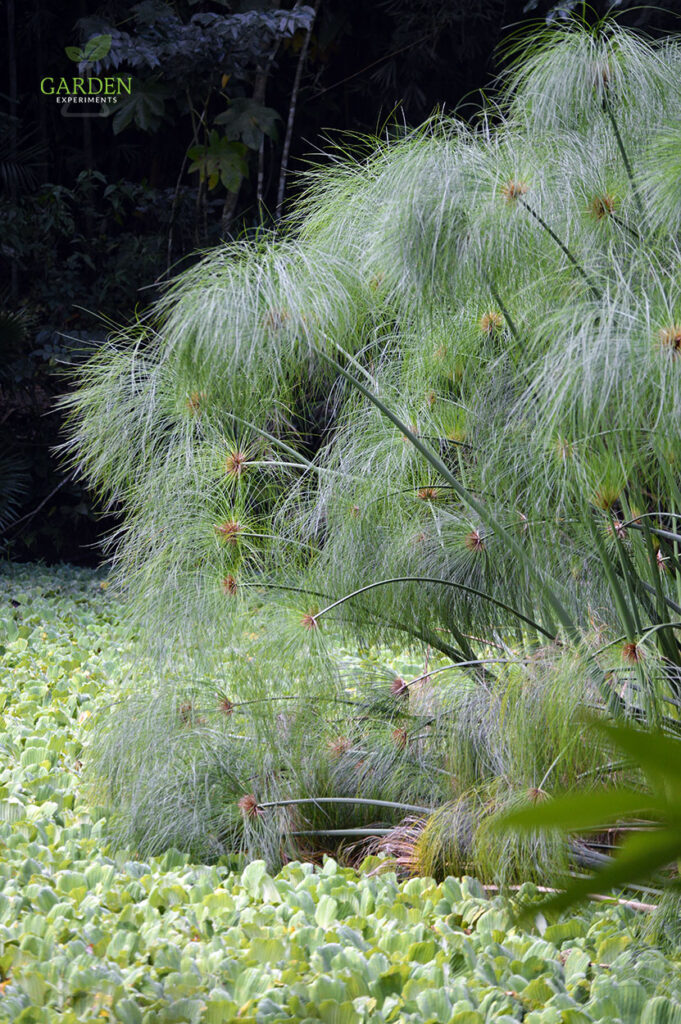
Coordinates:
column 350, row 800
column 343, row 832
column 446, row 583
column 428, row 638
column 563, row 247
column 625, row 157
column 627, row 227
column 487, row 517
column 502, row 306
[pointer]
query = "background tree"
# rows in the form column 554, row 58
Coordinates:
column 96, row 213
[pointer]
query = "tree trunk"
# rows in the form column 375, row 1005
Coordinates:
column 292, row 114
column 13, row 127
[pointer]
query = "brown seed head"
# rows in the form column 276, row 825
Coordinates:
column 632, row 653
column 354, row 511
column 229, row 586
column 338, row 746
column 606, row 495
column 275, row 319
column 398, row 687
column 225, row 705
column 670, row 338
column 513, row 190
column 376, row 281
column 563, row 449
column 491, row 322
column 400, row 738
column 428, row 493
column 602, row 206
column 248, row 806
column 186, row 712
column 229, row 531
column 661, row 561
column 535, row 795
column 618, row 529
column 194, row 402
column 474, row 541
column 234, row 463
column 309, row 621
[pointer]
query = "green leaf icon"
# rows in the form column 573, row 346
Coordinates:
column 96, row 48
column 75, row 53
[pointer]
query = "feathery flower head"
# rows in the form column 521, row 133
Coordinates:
column 491, row 322
column 229, row 586
column 616, row 528
column 513, row 190
column 536, row 795
column 670, row 338
column 234, row 463
column 194, row 402
column 602, row 206
column 229, row 531
column 398, row 687
column 338, row 746
column 248, row 806
column 563, row 449
column 606, row 494
column 474, row 541
column 632, row 653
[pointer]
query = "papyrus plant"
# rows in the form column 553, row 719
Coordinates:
column 441, row 412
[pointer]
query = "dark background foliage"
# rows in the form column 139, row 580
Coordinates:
column 229, row 101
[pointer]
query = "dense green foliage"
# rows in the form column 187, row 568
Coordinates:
column 90, row 933
column 443, row 411
column 229, row 99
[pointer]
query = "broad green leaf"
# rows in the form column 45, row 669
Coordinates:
column 326, row 912
column 659, row 755
column 252, row 876
column 127, row 1011
column 144, row 107
column 332, row 1012
column 639, row 858
column 248, row 121
column 583, row 811
column 661, row 1010
column 221, row 160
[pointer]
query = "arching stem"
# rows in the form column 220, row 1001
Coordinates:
column 563, row 247
column 625, row 156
